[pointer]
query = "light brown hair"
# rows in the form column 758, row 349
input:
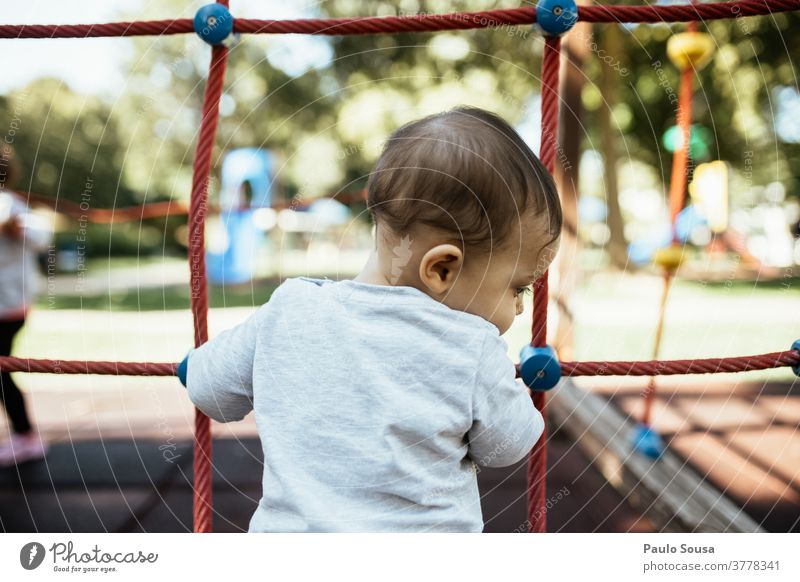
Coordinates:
column 465, row 171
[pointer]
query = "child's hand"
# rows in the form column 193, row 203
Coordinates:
column 12, row 228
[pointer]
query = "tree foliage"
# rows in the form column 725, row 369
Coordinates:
column 326, row 104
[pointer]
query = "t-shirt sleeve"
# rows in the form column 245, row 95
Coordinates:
column 219, row 376
column 505, row 424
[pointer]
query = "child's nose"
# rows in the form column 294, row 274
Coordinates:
column 520, row 305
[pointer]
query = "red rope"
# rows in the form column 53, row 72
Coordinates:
column 618, row 368
column 11, row 364
column 112, row 215
column 390, row 24
column 539, row 317
column 199, row 284
column 158, row 209
column 685, row 12
column 673, row 367
column 138, row 28
column 537, row 462
column 410, row 23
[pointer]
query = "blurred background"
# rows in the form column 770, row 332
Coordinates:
column 106, row 124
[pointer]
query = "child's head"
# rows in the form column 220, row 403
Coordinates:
column 465, row 212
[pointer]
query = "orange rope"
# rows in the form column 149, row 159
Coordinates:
column 650, row 391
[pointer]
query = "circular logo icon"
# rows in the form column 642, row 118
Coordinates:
column 31, row 555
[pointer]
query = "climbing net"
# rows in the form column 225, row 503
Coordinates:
column 215, row 25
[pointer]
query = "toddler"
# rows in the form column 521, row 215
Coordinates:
column 376, row 397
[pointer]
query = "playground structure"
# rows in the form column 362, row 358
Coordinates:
column 246, row 189
column 539, row 366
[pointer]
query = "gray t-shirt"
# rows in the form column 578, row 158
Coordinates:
column 373, row 403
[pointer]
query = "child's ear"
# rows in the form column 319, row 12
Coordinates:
column 440, row 267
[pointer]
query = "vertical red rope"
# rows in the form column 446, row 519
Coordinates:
column 537, row 463
column 197, row 263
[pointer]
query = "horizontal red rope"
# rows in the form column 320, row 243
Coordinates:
column 672, row 367
column 138, row 28
column 685, row 12
column 162, row 208
column 411, row 23
column 647, row 368
column 108, row 215
column 390, row 24
column 10, row 364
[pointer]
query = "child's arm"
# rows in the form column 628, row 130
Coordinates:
column 219, row 374
column 35, row 232
column 18, row 223
column 505, row 424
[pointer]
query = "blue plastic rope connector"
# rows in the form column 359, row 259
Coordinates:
column 214, row 24
column 647, row 441
column 796, row 346
column 183, row 368
column 555, row 17
column 539, row 367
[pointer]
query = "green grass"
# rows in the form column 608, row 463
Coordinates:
column 615, row 315
column 167, row 298
column 618, row 320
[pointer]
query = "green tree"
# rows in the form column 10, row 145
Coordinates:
column 68, row 145
column 733, row 95
column 327, row 123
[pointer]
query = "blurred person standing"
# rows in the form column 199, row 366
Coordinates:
column 22, row 236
